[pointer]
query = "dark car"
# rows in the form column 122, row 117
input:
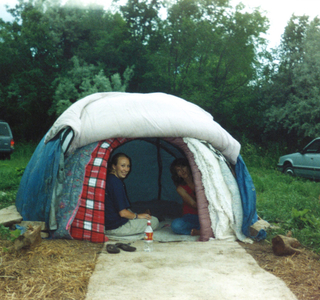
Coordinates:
column 6, row 140
column 305, row 163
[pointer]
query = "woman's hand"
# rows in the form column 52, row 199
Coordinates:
column 125, row 213
column 144, row 216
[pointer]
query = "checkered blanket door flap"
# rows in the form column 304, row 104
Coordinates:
column 88, row 223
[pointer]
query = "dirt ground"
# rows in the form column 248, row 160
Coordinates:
column 301, row 272
column 54, row 269
column 60, row 269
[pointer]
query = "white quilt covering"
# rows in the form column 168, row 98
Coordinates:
column 131, row 115
column 224, row 201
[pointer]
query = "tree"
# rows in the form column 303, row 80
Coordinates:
column 36, row 50
column 209, row 54
column 145, row 28
column 31, row 70
column 294, row 95
column 83, row 80
column 142, row 18
column 204, row 51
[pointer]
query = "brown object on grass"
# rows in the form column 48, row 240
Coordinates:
column 284, row 245
column 29, row 239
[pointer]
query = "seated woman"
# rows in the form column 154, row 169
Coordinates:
column 183, row 180
column 119, row 219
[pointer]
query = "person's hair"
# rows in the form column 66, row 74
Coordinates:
column 114, row 160
column 178, row 162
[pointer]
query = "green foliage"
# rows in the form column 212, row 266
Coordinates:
column 55, row 53
column 20, row 171
column 36, row 50
column 301, row 219
column 292, row 96
column 8, row 198
column 208, row 52
column 83, row 80
column 260, row 155
column 7, row 234
column 141, row 18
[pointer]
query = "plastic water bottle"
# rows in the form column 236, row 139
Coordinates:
column 148, row 238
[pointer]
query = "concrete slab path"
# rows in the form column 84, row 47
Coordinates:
column 215, row 270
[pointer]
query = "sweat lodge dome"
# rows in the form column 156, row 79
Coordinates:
column 64, row 182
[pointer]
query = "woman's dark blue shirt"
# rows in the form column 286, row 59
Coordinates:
column 115, row 201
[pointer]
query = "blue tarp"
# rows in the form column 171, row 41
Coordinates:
column 36, row 187
column 67, row 200
column 248, row 198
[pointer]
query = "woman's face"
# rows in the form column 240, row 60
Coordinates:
column 183, row 171
column 122, row 168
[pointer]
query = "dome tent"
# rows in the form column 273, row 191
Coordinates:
column 64, row 181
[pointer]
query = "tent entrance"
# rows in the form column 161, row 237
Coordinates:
column 149, row 184
column 88, row 221
column 144, row 184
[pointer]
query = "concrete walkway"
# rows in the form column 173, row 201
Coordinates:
column 184, row 270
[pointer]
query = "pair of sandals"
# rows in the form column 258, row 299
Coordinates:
column 113, row 249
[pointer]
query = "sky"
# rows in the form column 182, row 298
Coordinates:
column 277, row 11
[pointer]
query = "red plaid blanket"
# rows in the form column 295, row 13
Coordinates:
column 88, row 223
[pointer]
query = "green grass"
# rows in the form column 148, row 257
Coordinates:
column 290, row 203
column 11, row 172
